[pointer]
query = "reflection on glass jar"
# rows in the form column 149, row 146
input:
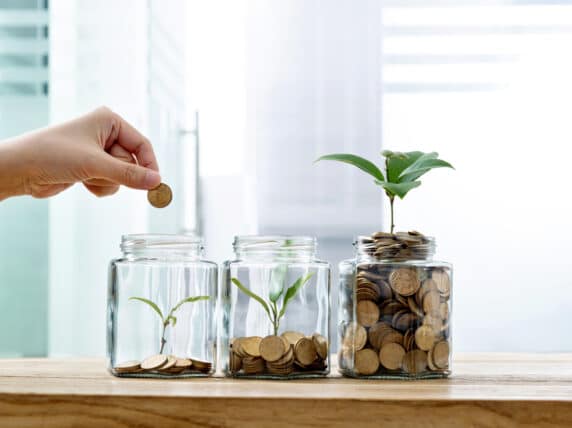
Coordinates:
column 276, row 309
column 161, row 308
column 395, row 309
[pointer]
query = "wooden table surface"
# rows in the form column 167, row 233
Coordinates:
column 488, row 390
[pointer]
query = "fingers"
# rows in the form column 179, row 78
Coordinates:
column 108, row 168
column 117, row 152
column 100, row 191
column 131, row 140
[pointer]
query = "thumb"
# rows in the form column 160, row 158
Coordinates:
column 127, row 174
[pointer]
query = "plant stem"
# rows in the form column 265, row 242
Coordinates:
column 391, row 199
column 163, row 340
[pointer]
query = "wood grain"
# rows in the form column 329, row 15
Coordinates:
column 486, row 390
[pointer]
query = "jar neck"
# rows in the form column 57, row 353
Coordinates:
column 275, row 248
column 157, row 246
column 399, row 246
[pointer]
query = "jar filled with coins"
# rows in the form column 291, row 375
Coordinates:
column 395, row 309
column 276, row 309
column 161, row 308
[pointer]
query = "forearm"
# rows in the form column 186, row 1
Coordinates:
column 13, row 170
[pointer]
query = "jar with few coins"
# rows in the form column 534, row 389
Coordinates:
column 276, row 309
column 161, row 307
column 395, row 309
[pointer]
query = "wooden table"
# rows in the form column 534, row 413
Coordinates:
column 488, row 390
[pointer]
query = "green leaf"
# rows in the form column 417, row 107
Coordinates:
column 173, row 319
column 422, row 166
column 357, row 161
column 398, row 162
column 274, row 296
column 150, row 303
column 277, row 282
column 252, row 295
column 399, row 189
column 292, row 291
column 187, row 300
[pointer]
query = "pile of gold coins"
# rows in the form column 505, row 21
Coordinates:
column 164, row 365
column 402, row 312
column 291, row 352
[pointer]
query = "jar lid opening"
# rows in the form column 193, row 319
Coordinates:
column 150, row 241
column 274, row 244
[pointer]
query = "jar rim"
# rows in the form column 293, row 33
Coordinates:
column 272, row 243
column 140, row 241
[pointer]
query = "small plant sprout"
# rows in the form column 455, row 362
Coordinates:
column 402, row 171
column 274, row 312
column 170, row 319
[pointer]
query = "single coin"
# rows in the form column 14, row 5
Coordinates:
column 434, row 321
column 404, row 321
column 444, row 310
column 415, row 361
column 367, row 313
column 292, row 336
column 426, row 286
column 430, row 361
column 128, row 366
column 285, row 360
column 366, row 362
column 441, row 354
column 443, row 282
column 203, row 366
column 431, row 302
column 154, row 362
column 273, row 347
column 305, row 351
column 392, row 336
column 391, row 356
column 355, row 337
column 184, row 363
column 321, row 344
column 414, row 306
column 425, row 337
column 160, row 196
column 251, row 345
column 171, row 361
column 377, row 332
column 404, row 281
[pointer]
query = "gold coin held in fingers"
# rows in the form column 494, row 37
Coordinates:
column 160, row 196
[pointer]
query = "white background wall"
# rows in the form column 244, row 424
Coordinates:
column 488, row 91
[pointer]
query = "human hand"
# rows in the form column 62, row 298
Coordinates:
column 100, row 149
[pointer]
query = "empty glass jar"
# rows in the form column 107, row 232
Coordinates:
column 161, row 308
column 395, row 309
column 276, row 309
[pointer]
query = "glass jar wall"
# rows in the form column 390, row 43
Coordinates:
column 276, row 309
column 161, row 308
column 395, row 309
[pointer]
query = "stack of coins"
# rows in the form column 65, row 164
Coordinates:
column 164, row 365
column 402, row 312
column 287, row 354
column 396, row 246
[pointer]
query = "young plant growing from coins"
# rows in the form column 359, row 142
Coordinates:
column 274, row 312
column 402, row 171
column 170, row 319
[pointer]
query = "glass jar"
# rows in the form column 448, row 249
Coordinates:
column 276, row 309
column 395, row 309
column 161, row 308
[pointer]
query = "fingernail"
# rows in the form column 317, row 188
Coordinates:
column 152, row 179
